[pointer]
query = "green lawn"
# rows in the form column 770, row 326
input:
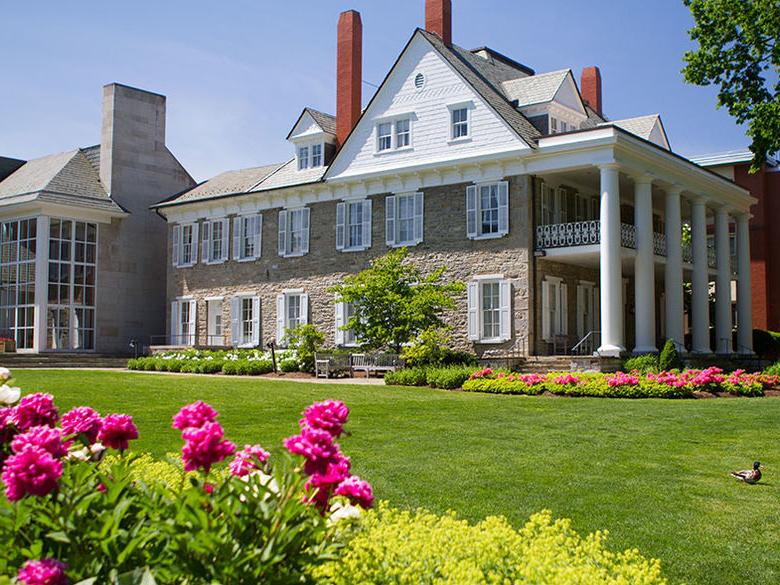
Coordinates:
column 652, row 472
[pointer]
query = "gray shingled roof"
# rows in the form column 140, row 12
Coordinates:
column 227, row 183
column 641, row 126
column 493, row 68
column 93, row 156
column 536, row 89
column 324, row 121
column 67, row 177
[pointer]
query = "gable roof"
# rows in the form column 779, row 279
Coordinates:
column 642, row 126
column 227, row 183
column 326, row 122
column 536, row 89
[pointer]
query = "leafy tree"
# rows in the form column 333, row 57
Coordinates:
column 395, row 301
column 306, row 340
column 739, row 51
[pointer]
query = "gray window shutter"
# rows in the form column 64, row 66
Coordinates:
column 305, row 235
column 280, row 319
column 390, row 220
column 205, row 254
column 581, row 311
column 419, row 205
column 282, row 233
column 564, row 309
column 175, row 323
column 473, row 309
column 366, row 224
column 546, row 310
column 236, row 238
column 340, row 224
column 505, row 309
column 340, row 314
column 257, row 225
column 195, row 243
column 503, row 207
column 304, row 309
column 176, row 245
column 235, row 318
column 256, row 321
column 193, row 336
column 471, row 211
column 225, row 239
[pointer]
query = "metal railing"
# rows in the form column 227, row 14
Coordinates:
column 588, row 344
column 580, row 233
column 190, row 340
column 659, row 244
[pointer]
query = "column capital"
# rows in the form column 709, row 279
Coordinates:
column 697, row 199
column 609, row 166
column 643, row 178
column 675, row 189
column 723, row 209
column 743, row 217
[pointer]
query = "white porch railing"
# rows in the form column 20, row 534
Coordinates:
column 579, row 233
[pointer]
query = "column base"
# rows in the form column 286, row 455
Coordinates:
column 608, row 350
column 701, row 351
column 645, row 349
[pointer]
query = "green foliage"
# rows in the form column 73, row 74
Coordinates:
column 670, row 358
column 305, row 340
column 501, row 386
column 234, row 362
column 739, row 52
column 407, row 377
column 449, row 377
column 642, row 363
column 289, row 365
column 419, row 548
column 766, row 344
column 430, row 347
column 395, row 302
column 773, row 370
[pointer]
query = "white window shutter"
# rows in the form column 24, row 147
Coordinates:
column 225, row 239
column 257, row 224
column 390, row 220
column 280, row 318
column 236, row 238
column 193, row 336
column 205, row 254
column 366, row 223
column 255, row 321
column 473, row 304
column 340, row 224
column 195, row 243
column 282, row 233
column 546, row 310
column 340, row 322
column 503, row 207
column 304, row 309
column 564, row 305
column 419, row 206
column 305, row 229
column 505, row 306
column 176, row 245
column 174, row 323
column 235, row 318
column 471, row 211
column 580, row 311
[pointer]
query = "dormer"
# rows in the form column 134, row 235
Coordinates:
column 314, row 139
column 550, row 101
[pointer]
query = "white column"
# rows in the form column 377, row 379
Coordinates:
column 673, row 272
column 644, row 266
column 722, row 283
column 744, row 299
column 41, row 282
column 700, row 283
column 611, row 276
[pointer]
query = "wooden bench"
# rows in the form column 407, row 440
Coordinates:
column 329, row 364
column 375, row 363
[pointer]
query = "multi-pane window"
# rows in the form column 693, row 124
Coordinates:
column 185, row 323
column 489, row 309
column 353, row 225
column 316, row 155
column 403, row 135
column 17, row 280
column 245, row 321
column 247, row 230
column 292, row 310
column 345, row 312
column 404, row 219
column 395, row 134
column 553, row 125
column 384, row 136
column 460, row 123
column 554, row 308
column 303, row 158
column 185, row 242
column 215, row 241
column 310, row 156
column 294, row 232
column 487, row 210
column 71, row 284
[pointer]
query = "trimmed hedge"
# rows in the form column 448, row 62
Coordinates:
column 642, row 363
column 447, row 378
column 229, row 362
column 407, row 377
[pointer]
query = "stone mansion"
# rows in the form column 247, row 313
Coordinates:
column 574, row 233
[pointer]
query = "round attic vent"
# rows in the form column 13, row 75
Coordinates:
column 419, row 80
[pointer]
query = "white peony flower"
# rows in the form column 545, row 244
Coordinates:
column 79, row 454
column 9, row 395
column 341, row 512
column 5, row 374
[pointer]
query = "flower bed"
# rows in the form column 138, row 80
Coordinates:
column 236, row 362
column 622, row 385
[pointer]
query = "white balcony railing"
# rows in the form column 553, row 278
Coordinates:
column 579, row 233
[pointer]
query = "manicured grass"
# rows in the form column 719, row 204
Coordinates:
column 652, row 472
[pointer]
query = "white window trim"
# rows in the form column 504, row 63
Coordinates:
column 366, row 237
column 236, row 320
column 469, row 107
column 341, row 320
column 176, row 321
column 282, row 318
column 309, row 155
column 563, row 308
column 392, row 225
column 178, row 244
column 392, row 120
column 475, row 316
column 239, row 235
column 208, row 242
column 286, row 216
column 498, row 234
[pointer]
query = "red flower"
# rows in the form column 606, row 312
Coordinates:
column 117, row 431
column 205, row 446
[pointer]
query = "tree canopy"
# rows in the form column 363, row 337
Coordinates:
column 738, row 51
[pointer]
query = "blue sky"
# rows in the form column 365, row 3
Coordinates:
column 238, row 73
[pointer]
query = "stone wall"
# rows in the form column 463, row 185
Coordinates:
column 444, row 244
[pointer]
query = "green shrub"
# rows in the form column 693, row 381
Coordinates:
column 670, row 358
column 306, row 340
column 642, row 363
column 459, row 358
column 766, row 344
column 407, row 377
column 413, row 548
column 448, row 378
column 502, row 386
column 230, row 368
column 288, row 365
column 429, row 348
column 773, row 370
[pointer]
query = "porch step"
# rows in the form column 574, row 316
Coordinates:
column 61, row 360
column 553, row 363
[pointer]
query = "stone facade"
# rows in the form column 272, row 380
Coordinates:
column 444, row 244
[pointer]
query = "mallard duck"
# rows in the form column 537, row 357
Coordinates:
column 750, row 476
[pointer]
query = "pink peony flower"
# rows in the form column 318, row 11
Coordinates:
column 204, row 446
column 330, row 416
column 33, row 471
column 117, row 431
column 194, row 415
column 316, row 446
column 35, row 410
column 358, row 491
column 532, row 379
column 6, row 424
column 208, row 488
column 43, row 572
column 566, row 380
column 248, row 460
column 47, row 438
column 622, row 379
column 82, row 420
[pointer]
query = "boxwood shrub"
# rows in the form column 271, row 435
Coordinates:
column 407, row 377
column 448, row 378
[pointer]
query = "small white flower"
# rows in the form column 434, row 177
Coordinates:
column 79, row 454
column 341, row 512
column 5, row 374
column 9, row 395
column 97, row 448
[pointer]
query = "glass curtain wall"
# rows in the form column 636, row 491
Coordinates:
column 17, row 280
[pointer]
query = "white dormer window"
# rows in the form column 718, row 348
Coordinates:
column 303, row 158
column 316, row 155
column 460, row 123
column 310, row 156
column 553, row 125
column 394, row 134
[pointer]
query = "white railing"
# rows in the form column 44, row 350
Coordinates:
column 579, row 233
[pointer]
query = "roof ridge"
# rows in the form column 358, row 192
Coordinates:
column 270, row 174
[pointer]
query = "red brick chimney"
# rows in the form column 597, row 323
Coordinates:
column 438, row 19
column 590, row 86
column 349, row 73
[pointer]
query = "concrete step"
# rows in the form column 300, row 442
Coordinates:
column 61, row 360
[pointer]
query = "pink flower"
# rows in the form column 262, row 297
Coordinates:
column 6, row 424
column 35, row 410
column 316, row 446
column 82, row 420
column 358, row 491
column 321, row 485
column 47, row 438
column 330, row 416
column 208, row 488
column 33, row 471
column 102, row 488
column 204, row 446
column 43, row 572
column 117, row 431
column 566, row 379
column 248, row 459
column 532, row 379
column 622, row 379
column 194, row 415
